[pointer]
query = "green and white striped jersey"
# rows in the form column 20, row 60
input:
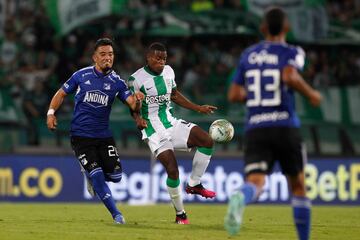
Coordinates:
column 156, row 107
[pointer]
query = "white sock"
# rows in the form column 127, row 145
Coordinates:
column 199, row 165
column 176, row 198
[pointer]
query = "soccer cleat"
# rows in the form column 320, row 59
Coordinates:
column 233, row 217
column 200, row 190
column 119, row 219
column 182, row 219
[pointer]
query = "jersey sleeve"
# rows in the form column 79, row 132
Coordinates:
column 238, row 76
column 132, row 84
column 124, row 92
column 296, row 58
column 71, row 84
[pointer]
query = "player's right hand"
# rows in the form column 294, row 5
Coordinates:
column 141, row 123
column 206, row 109
column 51, row 122
column 315, row 98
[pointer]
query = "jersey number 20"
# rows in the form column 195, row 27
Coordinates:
column 272, row 87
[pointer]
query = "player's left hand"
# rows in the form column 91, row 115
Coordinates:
column 141, row 123
column 139, row 96
column 206, row 109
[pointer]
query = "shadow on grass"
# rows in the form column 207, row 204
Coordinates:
column 167, row 226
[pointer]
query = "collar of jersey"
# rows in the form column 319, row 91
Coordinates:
column 149, row 71
column 274, row 43
column 100, row 74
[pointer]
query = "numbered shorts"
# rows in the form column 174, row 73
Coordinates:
column 97, row 152
column 265, row 146
column 173, row 138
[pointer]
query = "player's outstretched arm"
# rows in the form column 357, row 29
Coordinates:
column 236, row 93
column 182, row 101
column 55, row 103
column 293, row 79
column 134, row 103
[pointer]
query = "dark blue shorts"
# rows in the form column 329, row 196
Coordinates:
column 97, row 152
column 265, row 146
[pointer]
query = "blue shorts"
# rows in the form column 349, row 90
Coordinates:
column 265, row 146
column 93, row 153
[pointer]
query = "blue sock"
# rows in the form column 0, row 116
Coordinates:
column 102, row 190
column 249, row 191
column 302, row 216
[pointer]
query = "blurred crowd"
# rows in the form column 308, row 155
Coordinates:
column 34, row 63
column 192, row 5
column 344, row 11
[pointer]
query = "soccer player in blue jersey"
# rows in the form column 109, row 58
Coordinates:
column 266, row 78
column 91, row 139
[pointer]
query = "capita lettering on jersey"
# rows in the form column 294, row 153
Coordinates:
column 263, row 57
column 94, row 94
column 159, row 99
column 270, row 103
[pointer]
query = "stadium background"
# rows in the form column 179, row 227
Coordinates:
column 44, row 41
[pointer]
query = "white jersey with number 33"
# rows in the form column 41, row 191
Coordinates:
column 156, row 107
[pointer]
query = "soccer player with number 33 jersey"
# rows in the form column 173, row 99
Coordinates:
column 266, row 78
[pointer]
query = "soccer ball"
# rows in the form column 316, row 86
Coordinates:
column 221, row 131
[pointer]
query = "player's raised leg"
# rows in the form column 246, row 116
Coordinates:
column 200, row 139
column 111, row 164
column 167, row 158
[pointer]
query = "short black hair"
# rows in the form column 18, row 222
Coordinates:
column 156, row 46
column 103, row 42
column 275, row 19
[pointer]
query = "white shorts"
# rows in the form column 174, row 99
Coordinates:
column 174, row 138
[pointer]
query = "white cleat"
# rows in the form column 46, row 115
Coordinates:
column 233, row 217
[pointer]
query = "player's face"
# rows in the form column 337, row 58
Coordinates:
column 157, row 60
column 104, row 58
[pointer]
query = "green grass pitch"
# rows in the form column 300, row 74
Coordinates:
column 92, row 221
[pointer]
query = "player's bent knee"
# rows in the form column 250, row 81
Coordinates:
column 199, row 138
column 114, row 177
column 204, row 143
column 210, row 143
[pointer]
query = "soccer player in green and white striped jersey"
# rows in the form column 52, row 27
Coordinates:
column 165, row 133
